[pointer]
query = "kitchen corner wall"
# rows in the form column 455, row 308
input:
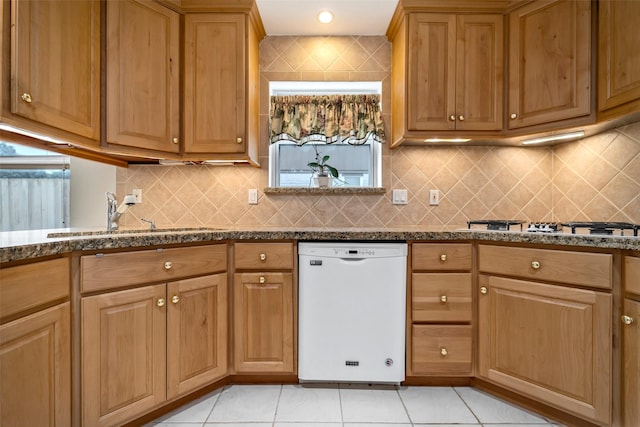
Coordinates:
column 597, row 178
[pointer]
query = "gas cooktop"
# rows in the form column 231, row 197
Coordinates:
column 596, row 227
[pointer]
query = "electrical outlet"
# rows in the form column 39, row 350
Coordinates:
column 434, row 197
column 399, row 197
column 253, row 196
column 137, row 195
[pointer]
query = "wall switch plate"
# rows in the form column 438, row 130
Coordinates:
column 137, row 195
column 434, row 197
column 253, row 196
column 399, row 197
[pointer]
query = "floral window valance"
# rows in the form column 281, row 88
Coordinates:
column 327, row 118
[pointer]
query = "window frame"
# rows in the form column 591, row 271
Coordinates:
column 288, row 88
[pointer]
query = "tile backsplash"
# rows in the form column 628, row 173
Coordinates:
column 597, row 178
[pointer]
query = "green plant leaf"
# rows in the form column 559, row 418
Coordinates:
column 333, row 171
column 324, row 159
column 313, row 165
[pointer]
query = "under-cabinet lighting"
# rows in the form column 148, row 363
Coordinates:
column 447, row 140
column 559, row 137
column 9, row 128
column 325, row 17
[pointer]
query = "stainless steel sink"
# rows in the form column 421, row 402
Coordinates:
column 89, row 233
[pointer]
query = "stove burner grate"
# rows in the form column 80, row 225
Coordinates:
column 496, row 224
column 603, row 228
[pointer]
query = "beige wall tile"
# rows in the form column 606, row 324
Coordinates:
column 597, row 178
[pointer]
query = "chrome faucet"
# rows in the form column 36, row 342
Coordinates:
column 114, row 212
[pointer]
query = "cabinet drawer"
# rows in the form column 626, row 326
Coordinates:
column 263, row 256
column 33, row 285
column 108, row 271
column 443, row 350
column 441, row 297
column 577, row 268
column 632, row 274
column 441, row 256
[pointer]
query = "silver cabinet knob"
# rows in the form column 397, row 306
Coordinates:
column 175, row 140
column 535, row 265
column 239, row 140
column 627, row 320
column 168, row 265
column 443, row 299
column 452, row 117
column 26, row 97
column 461, row 118
column 513, row 116
column 175, row 299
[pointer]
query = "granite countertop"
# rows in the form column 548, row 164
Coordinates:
column 19, row 245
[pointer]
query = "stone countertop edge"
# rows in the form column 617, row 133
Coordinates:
column 36, row 244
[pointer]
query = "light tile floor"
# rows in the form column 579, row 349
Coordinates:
column 348, row 406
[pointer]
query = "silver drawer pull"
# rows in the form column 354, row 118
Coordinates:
column 168, row 265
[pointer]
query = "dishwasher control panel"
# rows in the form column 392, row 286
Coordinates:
column 350, row 250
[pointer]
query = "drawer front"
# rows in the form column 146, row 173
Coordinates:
column 441, row 350
column 116, row 270
column 33, row 285
column 577, row 268
column 632, row 274
column 264, row 256
column 441, row 297
column 441, row 256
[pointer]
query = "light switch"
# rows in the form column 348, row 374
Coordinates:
column 399, row 197
column 253, row 196
column 434, row 197
column 137, row 195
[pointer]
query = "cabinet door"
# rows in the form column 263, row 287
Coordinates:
column 549, row 342
column 123, row 354
column 55, row 67
column 214, row 83
column 432, row 61
column 631, row 367
column 35, row 369
column 143, row 72
column 196, row 333
column 263, row 322
column 479, row 75
column 618, row 61
column 549, row 62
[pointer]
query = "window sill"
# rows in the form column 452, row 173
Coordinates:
column 325, row 190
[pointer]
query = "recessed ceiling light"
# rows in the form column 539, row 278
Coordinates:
column 326, row 16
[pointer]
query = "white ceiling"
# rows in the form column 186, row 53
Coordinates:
column 352, row 17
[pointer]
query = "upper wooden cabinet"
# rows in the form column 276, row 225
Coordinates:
column 221, row 84
column 618, row 59
column 454, row 79
column 549, row 62
column 143, row 76
column 55, row 64
column 446, row 74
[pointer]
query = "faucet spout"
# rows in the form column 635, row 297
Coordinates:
column 114, row 212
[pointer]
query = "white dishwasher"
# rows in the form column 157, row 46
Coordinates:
column 351, row 316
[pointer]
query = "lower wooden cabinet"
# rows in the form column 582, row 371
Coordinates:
column 631, row 363
column 441, row 350
column 143, row 346
column 35, row 369
column 263, row 322
column 549, row 342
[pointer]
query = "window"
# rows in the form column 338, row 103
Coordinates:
column 35, row 188
column 358, row 165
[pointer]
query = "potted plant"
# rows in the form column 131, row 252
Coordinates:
column 322, row 171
